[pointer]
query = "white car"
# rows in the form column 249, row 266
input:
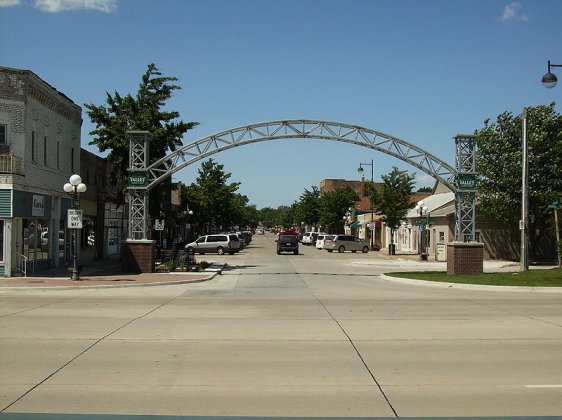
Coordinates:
column 321, row 238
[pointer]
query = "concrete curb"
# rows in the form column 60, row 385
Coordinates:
column 427, row 283
column 213, row 270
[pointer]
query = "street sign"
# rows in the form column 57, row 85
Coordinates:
column 74, row 219
column 137, row 179
column 466, row 181
column 556, row 205
column 159, row 224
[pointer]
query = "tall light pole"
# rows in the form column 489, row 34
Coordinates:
column 422, row 209
column 75, row 187
column 523, row 223
column 361, row 170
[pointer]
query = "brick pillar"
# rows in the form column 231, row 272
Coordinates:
column 465, row 258
column 137, row 256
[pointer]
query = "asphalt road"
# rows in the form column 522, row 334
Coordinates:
column 315, row 334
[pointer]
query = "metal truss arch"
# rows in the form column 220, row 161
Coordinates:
column 294, row 129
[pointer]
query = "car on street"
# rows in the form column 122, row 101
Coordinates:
column 288, row 243
column 343, row 243
column 321, row 238
column 309, row 238
column 218, row 243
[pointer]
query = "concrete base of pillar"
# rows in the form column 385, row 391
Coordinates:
column 465, row 258
column 138, row 256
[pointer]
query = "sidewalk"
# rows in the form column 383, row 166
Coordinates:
column 105, row 273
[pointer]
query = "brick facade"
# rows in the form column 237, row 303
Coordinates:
column 465, row 258
column 138, row 256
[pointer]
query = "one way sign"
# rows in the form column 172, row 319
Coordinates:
column 74, row 219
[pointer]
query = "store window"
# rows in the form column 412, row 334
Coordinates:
column 36, row 239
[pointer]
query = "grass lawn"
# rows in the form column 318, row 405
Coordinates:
column 531, row 278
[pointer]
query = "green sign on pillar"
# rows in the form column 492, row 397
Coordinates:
column 137, row 179
column 466, row 181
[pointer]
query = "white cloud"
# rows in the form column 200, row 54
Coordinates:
column 56, row 6
column 9, row 3
column 512, row 11
column 424, row 179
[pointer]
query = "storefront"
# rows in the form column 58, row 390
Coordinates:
column 32, row 232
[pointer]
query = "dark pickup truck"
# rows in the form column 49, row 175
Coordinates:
column 288, row 243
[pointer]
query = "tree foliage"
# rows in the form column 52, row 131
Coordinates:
column 308, row 207
column 498, row 161
column 333, row 206
column 144, row 111
column 214, row 201
column 392, row 200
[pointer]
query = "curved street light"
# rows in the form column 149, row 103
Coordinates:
column 549, row 80
column 361, row 170
column 75, row 187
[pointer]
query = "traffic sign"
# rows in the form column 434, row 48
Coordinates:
column 159, row 224
column 74, row 219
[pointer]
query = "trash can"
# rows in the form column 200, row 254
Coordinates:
column 392, row 249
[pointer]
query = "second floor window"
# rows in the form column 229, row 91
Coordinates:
column 3, row 134
column 45, row 150
column 33, row 147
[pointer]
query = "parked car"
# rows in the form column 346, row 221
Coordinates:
column 309, row 238
column 288, row 243
column 321, row 239
column 346, row 243
column 220, row 244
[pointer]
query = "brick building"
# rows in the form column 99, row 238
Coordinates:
column 39, row 149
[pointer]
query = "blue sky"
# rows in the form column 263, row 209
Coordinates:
column 422, row 71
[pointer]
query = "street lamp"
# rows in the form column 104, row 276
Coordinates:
column 361, row 170
column 187, row 214
column 423, row 210
column 549, row 79
column 75, row 187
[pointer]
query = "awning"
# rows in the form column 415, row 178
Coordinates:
column 354, row 224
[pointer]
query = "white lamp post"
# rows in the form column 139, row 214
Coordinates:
column 75, row 187
column 422, row 209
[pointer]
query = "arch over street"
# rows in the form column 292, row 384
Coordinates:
column 293, row 129
column 142, row 177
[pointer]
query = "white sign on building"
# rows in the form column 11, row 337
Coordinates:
column 74, row 219
column 38, row 206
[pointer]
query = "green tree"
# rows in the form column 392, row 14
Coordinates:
column 498, row 161
column 211, row 198
column 392, row 199
column 144, row 111
column 308, row 207
column 333, row 206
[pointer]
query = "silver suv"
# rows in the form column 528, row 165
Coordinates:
column 346, row 243
column 219, row 243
